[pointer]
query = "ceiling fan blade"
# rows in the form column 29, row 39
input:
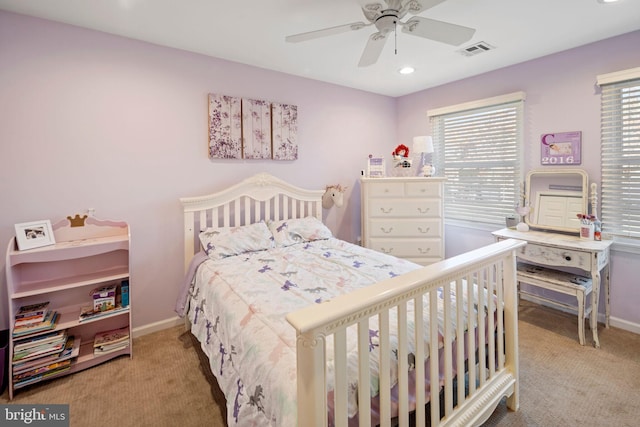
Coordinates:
column 325, row 32
column 440, row 31
column 372, row 50
column 416, row 7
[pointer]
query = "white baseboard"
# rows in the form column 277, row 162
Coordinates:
column 613, row 321
column 157, row 326
column 624, row 324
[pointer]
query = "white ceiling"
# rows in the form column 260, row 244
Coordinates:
column 253, row 32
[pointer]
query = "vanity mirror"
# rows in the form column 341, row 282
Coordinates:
column 555, row 197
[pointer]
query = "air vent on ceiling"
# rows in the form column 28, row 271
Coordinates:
column 476, row 49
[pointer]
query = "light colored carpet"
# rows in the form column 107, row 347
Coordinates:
column 562, row 383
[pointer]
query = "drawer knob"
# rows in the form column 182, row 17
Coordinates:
column 386, row 211
column 386, row 251
column 424, row 231
column 424, row 251
column 567, row 257
column 424, row 210
column 387, row 231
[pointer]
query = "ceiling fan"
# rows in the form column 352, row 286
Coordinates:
column 386, row 16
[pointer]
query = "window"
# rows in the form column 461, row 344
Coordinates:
column 620, row 133
column 478, row 147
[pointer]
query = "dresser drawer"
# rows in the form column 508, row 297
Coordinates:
column 408, row 248
column 404, row 208
column 555, row 256
column 405, row 228
column 423, row 189
column 387, row 189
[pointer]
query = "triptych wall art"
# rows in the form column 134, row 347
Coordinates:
column 242, row 128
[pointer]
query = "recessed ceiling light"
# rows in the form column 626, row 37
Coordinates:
column 607, row 1
column 406, row 70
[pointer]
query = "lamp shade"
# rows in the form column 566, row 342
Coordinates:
column 422, row 144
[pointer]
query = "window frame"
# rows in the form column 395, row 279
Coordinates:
column 620, row 137
column 502, row 199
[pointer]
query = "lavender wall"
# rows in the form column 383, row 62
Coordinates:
column 90, row 120
column 562, row 95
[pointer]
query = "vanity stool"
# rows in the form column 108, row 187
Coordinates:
column 559, row 281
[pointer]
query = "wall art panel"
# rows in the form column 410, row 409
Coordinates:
column 225, row 127
column 256, row 129
column 285, row 131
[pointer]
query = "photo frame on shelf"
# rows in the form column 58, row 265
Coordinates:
column 375, row 167
column 34, row 234
column 561, row 149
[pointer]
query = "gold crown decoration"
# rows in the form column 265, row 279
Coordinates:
column 77, row 221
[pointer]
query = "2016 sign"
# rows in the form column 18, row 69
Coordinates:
column 562, row 148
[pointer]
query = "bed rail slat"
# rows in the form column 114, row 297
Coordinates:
column 471, row 339
column 491, row 306
column 403, row 366
column 460, row 330
column 341, row 383
column 364, row 374
column 419, row 361
column 434, row 360
column 385, row 367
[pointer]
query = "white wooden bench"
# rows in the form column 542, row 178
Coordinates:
column 559, row 281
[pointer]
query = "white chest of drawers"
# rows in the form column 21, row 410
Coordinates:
column 404, row 217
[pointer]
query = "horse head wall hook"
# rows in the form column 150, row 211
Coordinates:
column 333, row 195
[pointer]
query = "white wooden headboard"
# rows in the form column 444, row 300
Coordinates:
column 260, row 197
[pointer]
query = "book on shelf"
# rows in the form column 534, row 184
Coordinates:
column 31, row 314
column 35, row 352
column 32, row 309
column 41, row 370
column 28, row 342
column 110, row 341
column 89, row 313
column 39, row 350
column 48, row 323
column 71, row 350
column 41, row 376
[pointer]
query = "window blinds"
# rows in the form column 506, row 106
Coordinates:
column 620, row 134
column 479, row 149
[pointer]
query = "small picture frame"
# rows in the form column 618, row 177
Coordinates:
column 34, row 234
column 375, row 167
column 561, row 149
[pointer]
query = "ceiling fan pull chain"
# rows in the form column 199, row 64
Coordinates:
column 395, row 37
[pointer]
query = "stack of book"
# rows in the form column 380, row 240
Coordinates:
column 89, row 312
column 39, row 357
column 110, row 341
column 34, row 318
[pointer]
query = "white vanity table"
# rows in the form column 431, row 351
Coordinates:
column 555, row 250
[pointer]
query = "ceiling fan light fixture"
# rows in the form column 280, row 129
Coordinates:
column 406, row 70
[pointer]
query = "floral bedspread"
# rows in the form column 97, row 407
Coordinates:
column 237, row 310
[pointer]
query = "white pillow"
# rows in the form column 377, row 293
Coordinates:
column 291, row 231
column 228, row 241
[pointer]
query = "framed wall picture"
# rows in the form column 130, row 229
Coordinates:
column 563, row 148
column 34, row 234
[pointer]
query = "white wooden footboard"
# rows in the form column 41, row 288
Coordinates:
column 467, row 399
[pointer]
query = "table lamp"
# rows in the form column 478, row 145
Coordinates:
column 423, row 145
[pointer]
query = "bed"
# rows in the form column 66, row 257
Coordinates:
column 302, row 328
